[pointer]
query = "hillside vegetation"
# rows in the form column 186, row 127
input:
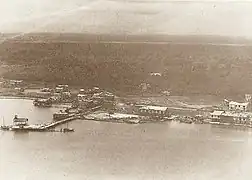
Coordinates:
column 186, row 68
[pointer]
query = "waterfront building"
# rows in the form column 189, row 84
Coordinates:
column 20, row 121
column 154, row 110
column 236, row 106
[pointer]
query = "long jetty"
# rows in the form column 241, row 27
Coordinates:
column 41, row 127
column 56, row 123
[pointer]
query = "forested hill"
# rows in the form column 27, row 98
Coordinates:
column 190, row 65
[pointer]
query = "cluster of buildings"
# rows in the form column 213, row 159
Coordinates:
column 15, row 85
column 95, row 97
column 60, row 93
column 234, row 113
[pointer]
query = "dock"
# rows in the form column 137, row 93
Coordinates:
column 56, row 123
column 42, row 127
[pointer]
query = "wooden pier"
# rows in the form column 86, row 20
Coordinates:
column 56, row 123
column 43, row 127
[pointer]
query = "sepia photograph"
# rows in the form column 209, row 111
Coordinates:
column 125, row 89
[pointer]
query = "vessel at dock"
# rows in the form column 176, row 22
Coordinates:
column 42, row 102
column 60, row 115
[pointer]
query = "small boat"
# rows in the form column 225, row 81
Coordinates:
column 67, row 130
column 6, row 128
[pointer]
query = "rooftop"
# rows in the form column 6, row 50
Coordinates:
column 20, row 119
column 155, row 74
column 237, row 103
column 156, row 108
column 42, row 100
column 217, row 113
column 81, row 95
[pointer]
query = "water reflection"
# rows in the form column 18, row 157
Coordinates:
column 20, row 135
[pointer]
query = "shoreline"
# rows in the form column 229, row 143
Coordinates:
column 10, row 95
column 16, row 97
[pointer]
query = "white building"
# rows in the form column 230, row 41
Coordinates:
column 81, row 97
column 231, row 117
column 236, row 106
column 20, row 121
column 216, row 115
column 154, row 110
column 155, row 74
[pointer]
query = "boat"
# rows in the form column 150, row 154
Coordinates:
column 60, row 115
column 67, row 130
column 3, row 127
column 6, row 128
column 42, row 102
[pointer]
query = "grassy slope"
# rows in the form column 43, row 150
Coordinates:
column 188, row 69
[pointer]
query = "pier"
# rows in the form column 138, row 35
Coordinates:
column 56, row 123
column 42, row 127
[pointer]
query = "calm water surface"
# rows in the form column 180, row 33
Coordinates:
column 99, row 150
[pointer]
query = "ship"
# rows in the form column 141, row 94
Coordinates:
column 42, row 102
column 67, row 130
column 60, row 115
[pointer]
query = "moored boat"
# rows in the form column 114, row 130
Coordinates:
column 67, row 130
column 42, row 102
column 60, row 115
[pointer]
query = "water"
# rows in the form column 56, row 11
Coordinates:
column 99, row 150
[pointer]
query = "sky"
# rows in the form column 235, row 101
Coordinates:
column 222, row 17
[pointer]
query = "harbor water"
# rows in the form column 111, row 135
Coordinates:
column 98, row 150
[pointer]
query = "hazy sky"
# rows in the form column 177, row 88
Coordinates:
column 222, row 17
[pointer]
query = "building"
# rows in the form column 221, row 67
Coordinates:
column 19, row 90
column 81, row 97
column 155, row 74
column 243, row 118
column 16, row 83
column 20, row 121
column 231, row 117
column 153, row 110
column 43, row 102
column 62, row 88
column 82, row 91
column 47, row 90
column 145, row 87
column 216, row 115
column 12, row 83
column 236, row 106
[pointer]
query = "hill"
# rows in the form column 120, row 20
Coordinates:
column 195, row 67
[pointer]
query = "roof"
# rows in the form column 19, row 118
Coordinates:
column 62, row 85
column 229, row 114
column 81, row 95
column 20, row 119
column 42, row 100
column 217, row 113
column 155, row 74
column 156, row 108
column 237, row 103
column 243, row 115
column 16, row 81
column 58, row 113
